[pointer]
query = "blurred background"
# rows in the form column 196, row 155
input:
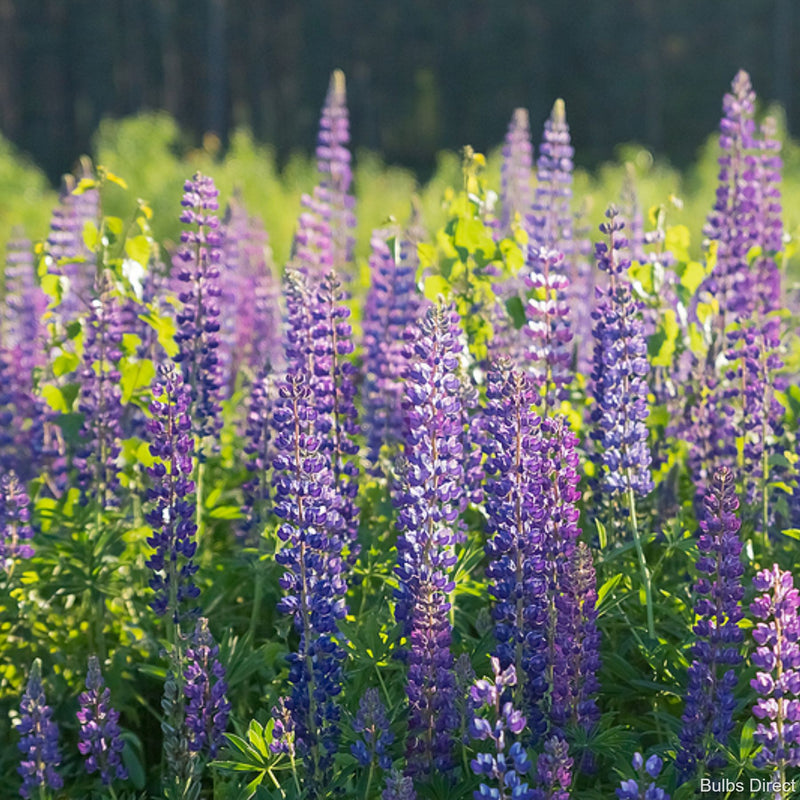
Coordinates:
column 423, row 76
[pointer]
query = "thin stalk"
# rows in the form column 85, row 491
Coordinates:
column 648, row 593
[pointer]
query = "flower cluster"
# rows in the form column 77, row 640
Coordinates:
column 517, row 490
column 260, row 452
column 65, row 251
column 100, row 742
column 777, row 659
column 312, row 580
column 196, row 270
column 553, row 770
column 644, row 786
column 392, row 304
column 516, row 174
column 730, row 224
column 398, row 787
column 204, row 687
column 428, row 497
column 100, row 399
column 709, row 703
column 373, row 725
column 324, row 239
column 15, row 528
column 38, row 738
column 250, row 334
column 548, row 327
column 498, row 722
column 172, row 514
column 334, row 390
column 619, row 372
column 550, row 220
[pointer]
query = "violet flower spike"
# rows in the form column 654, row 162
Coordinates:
column 428, row 496
column 643, row 787
column 497, row 719
column 38, row 739
column 373, row 725
column 197, row 269
column 15, row 527
column 710, row 702
column 100, row 741
column 516, row 172
column 204, row 688
column 777, row 682
column 172, row 497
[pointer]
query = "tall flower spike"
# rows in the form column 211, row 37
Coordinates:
column 24, row 304
column 101, row 399
column 172, row 513
column 517, row 491
column 498, row 720
column 99, row 740
column 428, row 497
column 15, row 529
column 550, row 219
column 38, row 738
column 204, row 687
column 312, row 580
column 708, row 712
column 777, row 659
column 732, row 222
column 548, row 326
column 334, row 395
column 260, row 451
column 619, row 374
column 373, row 725
column 393, row 303
column 553, row 770
column 197, row 269
column 516, row 172
column 325, row 241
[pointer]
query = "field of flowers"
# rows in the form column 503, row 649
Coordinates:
column 450, row 493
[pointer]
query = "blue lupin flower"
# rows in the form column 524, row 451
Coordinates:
column 204, row 687
column 100, row 742
column 38, row 738
column 373, row 725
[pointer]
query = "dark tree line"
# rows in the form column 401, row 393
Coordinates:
column 421, row 75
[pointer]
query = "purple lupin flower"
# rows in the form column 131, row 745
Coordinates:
column 100, row 399
column 576, row 643
column 250, row 334
column 767, row 275
column 15, row 528
column 38, row 738
column 777, row 659
column 99, row 739
column 21, row 327
column 428, row 496
column 398, row 787
column 550, row 220
column 496, row 719
column 204, row 688
column 517, row 490
column 643, row 787
column 172, row 513
column 393, row 303
column 516, row 172
column 709, row 702
column 548, row 327
column 260, row 451
column 553, row 770
column 731, row 223
column 620, row 371
column 312, row 581
column 197, row 270
column 373, row 725
column 324, row 240
column 334, row 389
column 65, row 251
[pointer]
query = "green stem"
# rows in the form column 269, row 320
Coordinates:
column 648, row 594
column 199, row 494
column 257, row 591
column 369, row 779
